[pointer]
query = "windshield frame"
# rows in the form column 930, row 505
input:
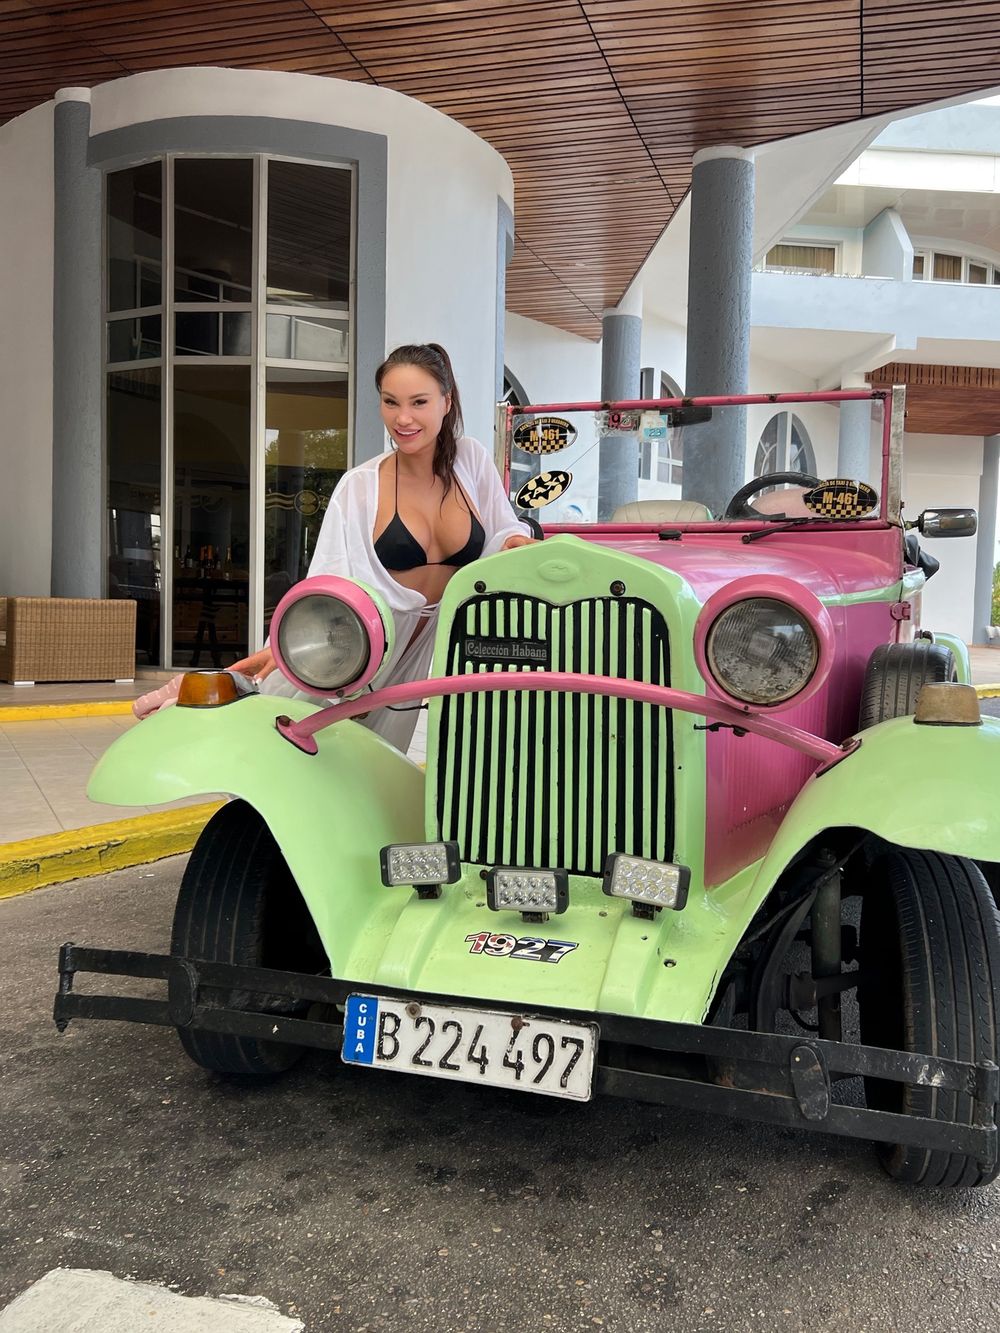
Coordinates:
column 889, row 513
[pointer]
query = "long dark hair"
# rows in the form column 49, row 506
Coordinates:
column 435, row 360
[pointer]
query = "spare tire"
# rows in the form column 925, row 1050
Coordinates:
column 895, row 675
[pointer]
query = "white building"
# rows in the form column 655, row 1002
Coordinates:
column 887, row 271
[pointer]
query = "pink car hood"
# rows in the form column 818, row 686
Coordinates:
column 830, row 564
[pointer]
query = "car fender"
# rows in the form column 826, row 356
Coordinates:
column 330, row 813
column 915, row 785
column 958, row 646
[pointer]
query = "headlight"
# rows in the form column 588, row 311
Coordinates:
column 329, row 635
column 762, row 651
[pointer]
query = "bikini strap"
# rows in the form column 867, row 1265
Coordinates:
column 396, row 469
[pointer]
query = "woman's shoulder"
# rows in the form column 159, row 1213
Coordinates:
column 361, row 477
column 472, row 452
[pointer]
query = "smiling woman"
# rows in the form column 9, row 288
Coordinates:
column 402, row 524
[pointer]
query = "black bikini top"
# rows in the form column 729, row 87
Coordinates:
column 398, row 550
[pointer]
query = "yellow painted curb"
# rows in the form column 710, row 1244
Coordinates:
column 54, row 712
column 99, row 848
column 988, row 691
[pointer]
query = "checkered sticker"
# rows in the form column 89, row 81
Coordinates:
column 841, row 498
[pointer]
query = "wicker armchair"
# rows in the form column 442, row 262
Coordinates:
column 66, row 638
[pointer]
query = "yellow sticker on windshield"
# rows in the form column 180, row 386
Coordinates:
column 544, row 435
column 841, row 498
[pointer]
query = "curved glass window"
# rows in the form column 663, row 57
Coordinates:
column 784, row 446
column 227, row 390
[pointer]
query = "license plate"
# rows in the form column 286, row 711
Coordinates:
column 542, row 1055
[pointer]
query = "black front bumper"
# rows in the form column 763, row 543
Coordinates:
column 215, row 997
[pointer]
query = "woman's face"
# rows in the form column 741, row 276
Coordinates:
column 413, row 407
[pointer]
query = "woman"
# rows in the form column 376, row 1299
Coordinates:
column 406, row 521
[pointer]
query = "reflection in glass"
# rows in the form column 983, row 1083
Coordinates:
column 206, row 333
column 134, row 339
column 134, row 231
column 306, row 338
column 308, row 234
column 134, row 536
column 211, row 538
column 213, row 229
column 305, row 457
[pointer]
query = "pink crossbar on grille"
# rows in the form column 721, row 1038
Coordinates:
column 824, row 752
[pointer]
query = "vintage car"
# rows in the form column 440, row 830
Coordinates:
column 706, row 773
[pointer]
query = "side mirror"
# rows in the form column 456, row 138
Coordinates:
column 948, row 523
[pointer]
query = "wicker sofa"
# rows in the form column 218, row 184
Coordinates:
column 66, row 638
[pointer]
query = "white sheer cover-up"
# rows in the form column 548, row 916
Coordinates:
column 345, row 547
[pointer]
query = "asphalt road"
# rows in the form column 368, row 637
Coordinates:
column 366, row 1202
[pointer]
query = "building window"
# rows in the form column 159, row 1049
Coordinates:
column 784, row 446
column 228, row 357
column 940, row 266
column 947, row 268
column 794, row 257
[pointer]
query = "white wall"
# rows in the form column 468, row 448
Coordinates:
column 26, row 354
column 944, row 470
column 443, row 184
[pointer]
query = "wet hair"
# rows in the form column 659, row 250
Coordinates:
column 435, row 360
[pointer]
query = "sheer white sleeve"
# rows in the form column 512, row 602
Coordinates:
column 494, row 507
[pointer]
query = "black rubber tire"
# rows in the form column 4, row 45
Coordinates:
column 930, row 965
column 238, row 903
column 895, row 675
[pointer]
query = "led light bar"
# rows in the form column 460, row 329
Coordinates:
column 425, row 865
column 649, row 884
column 511, row 889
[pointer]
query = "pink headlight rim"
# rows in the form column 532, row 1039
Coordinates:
column 774, row 588
column 360, row 602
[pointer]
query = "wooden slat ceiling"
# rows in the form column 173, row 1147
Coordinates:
column 598, row 105
column 945, row 400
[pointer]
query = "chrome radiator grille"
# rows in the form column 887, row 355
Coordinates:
column 560, row 780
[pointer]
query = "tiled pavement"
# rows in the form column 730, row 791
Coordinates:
column 44, row 766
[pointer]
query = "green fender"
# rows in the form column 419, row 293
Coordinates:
column 330, row 813
column 961, row 651
column 930, row 787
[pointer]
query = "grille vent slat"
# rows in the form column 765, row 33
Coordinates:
column 557, row 779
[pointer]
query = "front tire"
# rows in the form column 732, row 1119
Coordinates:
column 238, row 903
column 895, row 675
column 930, row 982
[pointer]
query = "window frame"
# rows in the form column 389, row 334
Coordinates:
column 257, row 360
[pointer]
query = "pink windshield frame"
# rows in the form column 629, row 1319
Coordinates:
column 774, row 588
column 885, row 396
column 360, row 602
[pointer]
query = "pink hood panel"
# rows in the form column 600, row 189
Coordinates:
column 829, row 564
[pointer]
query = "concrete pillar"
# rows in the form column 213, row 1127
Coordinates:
column 853, row 441
column 718, row 327
column 77, row 473
column 986, row 540
column 621, row 335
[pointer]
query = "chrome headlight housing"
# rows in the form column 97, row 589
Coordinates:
column 762, row 651
column 765, row 642
column 331, row 635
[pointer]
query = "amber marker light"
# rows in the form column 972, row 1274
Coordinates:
column 947, row 704
column 207, row 689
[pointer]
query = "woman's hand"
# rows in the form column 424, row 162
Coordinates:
column 511, row 542
column 258, row 666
